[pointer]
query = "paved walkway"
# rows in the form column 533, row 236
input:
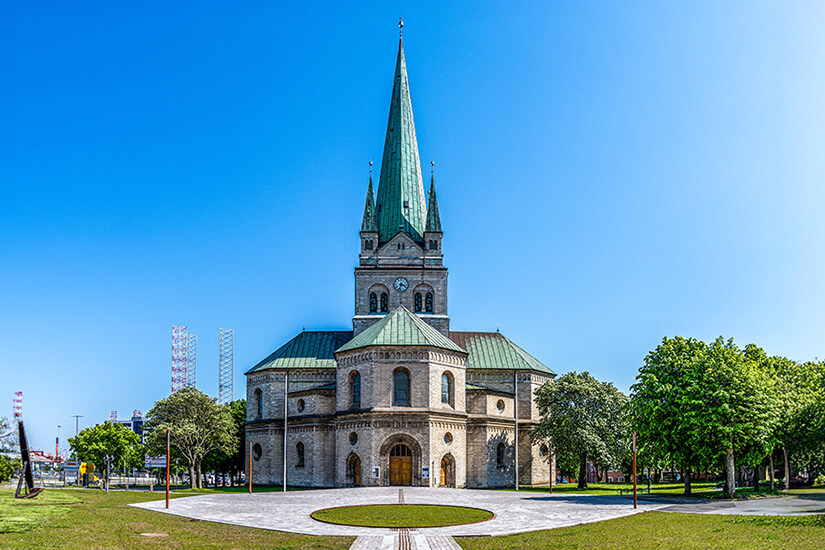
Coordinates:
column 514, row 512
column 768, row 506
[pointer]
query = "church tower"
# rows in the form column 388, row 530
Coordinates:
column 401, row 258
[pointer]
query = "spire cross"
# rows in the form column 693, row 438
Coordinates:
column 400, row 27
column 432, row 167
column 370, row 168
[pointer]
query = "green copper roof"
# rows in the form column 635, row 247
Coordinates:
column 492, row 350
column 369, row 223
column 401, row 327
column 308, row 350
column 400, row 205
column 433, row 219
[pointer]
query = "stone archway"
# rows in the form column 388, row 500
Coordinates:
column 400, row 458
column 353, row 470
column 448, row 471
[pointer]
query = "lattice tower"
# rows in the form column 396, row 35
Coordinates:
column 113, row 417
column 225, row 364
column 192, row 361
column 17, row 405
column 180, row 345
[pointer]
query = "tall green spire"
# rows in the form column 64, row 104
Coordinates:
column 369, row 223
column 433, row 219
column 400, row 205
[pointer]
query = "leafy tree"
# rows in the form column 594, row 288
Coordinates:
column 584, row 419
column 232, row 462
column 197, row 425
column 6, row 436
column 94, row 443
column 7, row 467
column 659, row 404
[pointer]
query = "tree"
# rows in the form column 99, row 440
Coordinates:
column 729, row 407
column 7, row 467
column 94, row 443
column 197, row 425
column 659, row 405
column 6, row 436
column 230, row 462
column 583, row 419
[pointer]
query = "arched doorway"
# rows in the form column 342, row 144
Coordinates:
column 400, row 465
column 448, row 471
column 354, row 471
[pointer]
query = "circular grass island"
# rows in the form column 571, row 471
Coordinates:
column 401, row 515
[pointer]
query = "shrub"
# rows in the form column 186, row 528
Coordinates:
column 820, row 480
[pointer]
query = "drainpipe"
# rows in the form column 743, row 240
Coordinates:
column 286, row 392
column 515, row 401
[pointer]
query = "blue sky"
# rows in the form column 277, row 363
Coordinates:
column 607, row 175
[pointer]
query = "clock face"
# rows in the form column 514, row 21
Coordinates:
column 401, row 284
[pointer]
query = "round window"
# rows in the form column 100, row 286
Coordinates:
column 353, row 438
column 500, row 405
column 448, row 438
column 257, row 451
column 301, row 405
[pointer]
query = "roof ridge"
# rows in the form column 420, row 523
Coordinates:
column 374, row 334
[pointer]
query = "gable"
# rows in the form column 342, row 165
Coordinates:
column 401, row 246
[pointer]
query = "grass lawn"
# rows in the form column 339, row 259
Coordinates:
column 672, row 531
column 402, row 515
column 89, row 519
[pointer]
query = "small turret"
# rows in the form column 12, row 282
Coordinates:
column 432, row 229
column 369, row 225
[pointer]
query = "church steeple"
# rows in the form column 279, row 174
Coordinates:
column 400, row 205
column 369, row 223
column 433, row 219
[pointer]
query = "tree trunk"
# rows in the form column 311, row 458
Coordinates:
column 687, row 481
column 787, row 469
column 730, row 470
column 773, row 482
column 192, row 477
column 583, row 473
column 198, row 482
column 756, row 469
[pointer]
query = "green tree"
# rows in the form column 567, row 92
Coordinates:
column 232, row 462
column 584, row 419
column 94, row 443
column 197, row 425
column 6, row 436
column 659, row 405
column 7, row 467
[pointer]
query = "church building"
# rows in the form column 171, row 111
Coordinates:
column 401, row 399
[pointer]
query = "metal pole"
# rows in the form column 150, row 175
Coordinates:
column 168, row 460
column 634, row 470
column 250, row 468
column 515, row 400
column 286, row 393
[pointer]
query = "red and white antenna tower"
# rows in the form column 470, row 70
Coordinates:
column 18, row 405
column 192, row 361
column 113, row 417
column 226, row 354
column 180, row 347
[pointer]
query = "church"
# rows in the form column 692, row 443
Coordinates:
column 401, row 399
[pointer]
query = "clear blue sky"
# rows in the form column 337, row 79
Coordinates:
column 608, row 174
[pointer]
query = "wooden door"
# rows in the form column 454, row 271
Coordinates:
column 357, row 466
column 400, row 465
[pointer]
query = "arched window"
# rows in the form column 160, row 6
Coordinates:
column 446, row 388
column 299, row 448
column 368, row 244
column 259, row 404
column 418, row 302
column 384, row 303
column 373, row 302
column 401, row 388
column 500, row 455
column 428, row 303
column 356, row 389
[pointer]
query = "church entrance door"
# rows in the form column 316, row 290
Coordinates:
column 354, row 471
column 400, row 465
column 448, row 471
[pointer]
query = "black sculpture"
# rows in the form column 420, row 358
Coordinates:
column 26, row 474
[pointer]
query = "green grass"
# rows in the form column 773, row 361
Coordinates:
column 101, row 521
column 654, row 530
column 402, row 515
column 19, row 515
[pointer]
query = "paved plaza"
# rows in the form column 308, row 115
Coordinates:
column 515, row 512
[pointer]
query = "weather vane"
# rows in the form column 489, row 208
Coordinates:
column 432, row 167
column 370, row 168
column 400, row 27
